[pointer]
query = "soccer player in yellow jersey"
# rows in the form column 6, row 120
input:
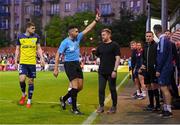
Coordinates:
column 27, row 45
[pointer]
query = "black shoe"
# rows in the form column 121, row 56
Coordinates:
column 149, row 108
column 161, row 100
column 167, row 114
column 157, row 108
column 76, row 112
column 63, row 104
column 161, row 113
column 100, row 109
column 112, row 110
column 140, row 97
column 134, row 95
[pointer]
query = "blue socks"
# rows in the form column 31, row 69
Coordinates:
column 23, row 87
column 30, row 91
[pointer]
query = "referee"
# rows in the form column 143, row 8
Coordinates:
column 70, row 48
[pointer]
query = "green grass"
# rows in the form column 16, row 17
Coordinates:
column 45, row 108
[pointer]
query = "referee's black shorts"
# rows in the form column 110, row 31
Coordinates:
column 73, row 70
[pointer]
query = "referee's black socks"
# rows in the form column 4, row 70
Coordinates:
column 67, row 95
column 74, row 98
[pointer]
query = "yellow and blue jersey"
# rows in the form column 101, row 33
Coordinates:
column 28, row 48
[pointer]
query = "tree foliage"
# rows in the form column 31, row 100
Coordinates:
column 56, row 30
column 4, row 39
column 128, row 27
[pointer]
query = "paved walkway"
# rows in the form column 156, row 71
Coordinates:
column 130, row 111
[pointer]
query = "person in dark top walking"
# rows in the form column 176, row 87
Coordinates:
column 149, row 65
column 109, row 53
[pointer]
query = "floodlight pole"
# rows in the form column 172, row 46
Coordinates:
column 148, row 21
column 164, row 15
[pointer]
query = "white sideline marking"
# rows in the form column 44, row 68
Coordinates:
column 93, row 115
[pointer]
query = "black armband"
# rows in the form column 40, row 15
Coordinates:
column 96, row 21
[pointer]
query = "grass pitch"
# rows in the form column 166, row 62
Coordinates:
column 45, row 108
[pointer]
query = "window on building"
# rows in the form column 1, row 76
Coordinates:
column 37, row 1
column 131, row 4
column 37, row 10
column 16, row 1
column 138, row 6
column 27, row 9
column 4, row 24
column 85, row 6
column 16, row 9
column 67, row 6
column 16, row 23
column 4, row 9
column 1, row 8
column 6, row 1
column 106, row 8
column 138, row 3
column 55, row 9
column 123, row 5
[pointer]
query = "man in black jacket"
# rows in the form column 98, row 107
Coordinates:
column 149, row 63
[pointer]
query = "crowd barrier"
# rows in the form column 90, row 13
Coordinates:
column 7, row 67
column 49, row 67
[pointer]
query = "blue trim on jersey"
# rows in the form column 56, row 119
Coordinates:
column 161, row 44
column 24, row 36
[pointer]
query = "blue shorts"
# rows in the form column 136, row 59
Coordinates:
column 136, row 73
column 28, row 70
column 165, row 77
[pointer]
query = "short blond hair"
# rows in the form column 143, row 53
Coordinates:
column 132, row 42
column 106, row 30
